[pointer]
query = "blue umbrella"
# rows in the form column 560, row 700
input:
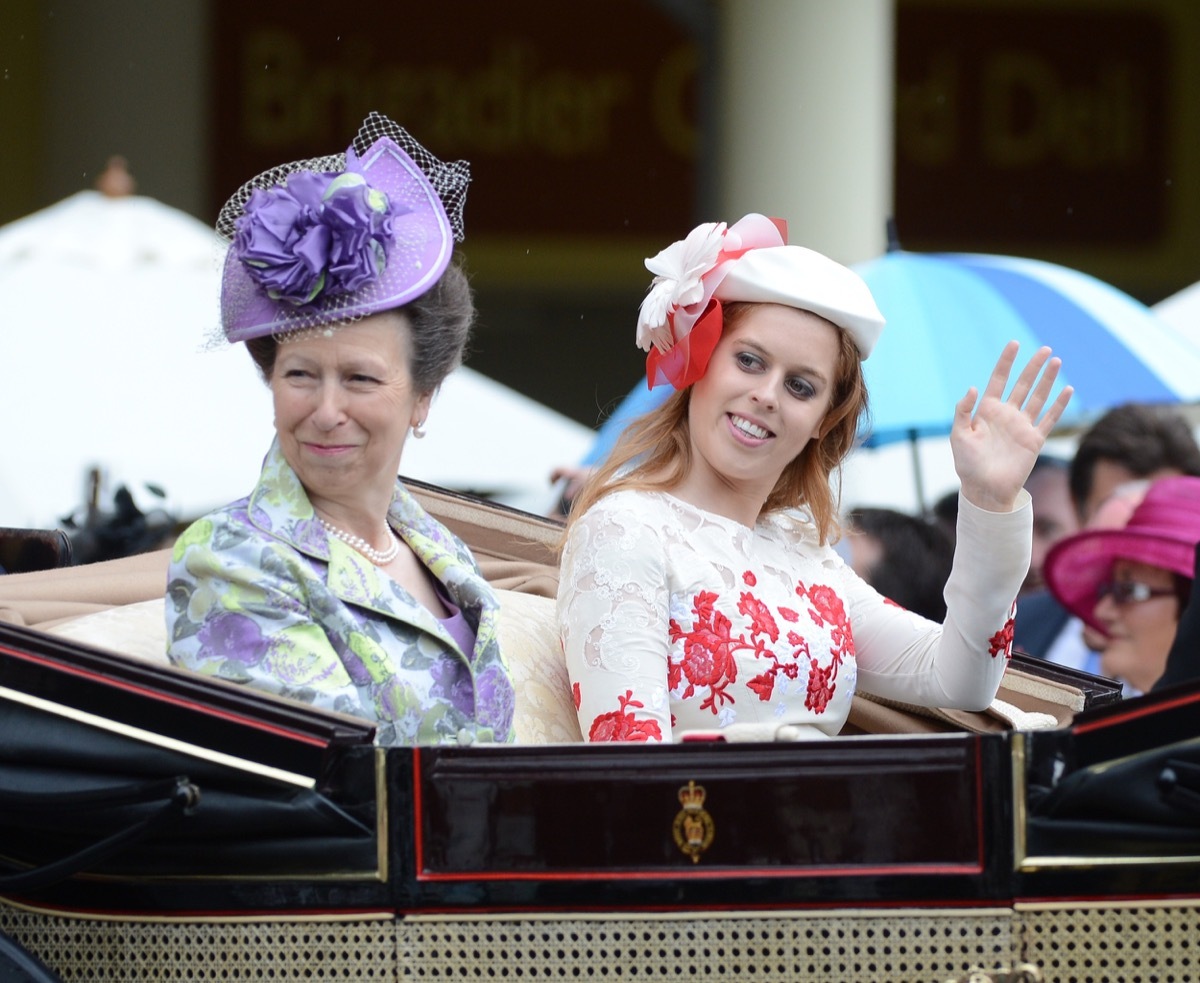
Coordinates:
column 950, row 314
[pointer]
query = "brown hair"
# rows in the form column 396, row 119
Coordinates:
column 439, row 325
column 654, row 452
column 1143, row 438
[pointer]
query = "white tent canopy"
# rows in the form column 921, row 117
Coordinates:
column 491, row 440
column 107, row 304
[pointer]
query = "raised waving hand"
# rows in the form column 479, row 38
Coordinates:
column 996, row 443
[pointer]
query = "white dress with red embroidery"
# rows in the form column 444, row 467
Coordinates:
column 674, row 619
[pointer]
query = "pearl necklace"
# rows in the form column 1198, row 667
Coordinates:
column 381, row 558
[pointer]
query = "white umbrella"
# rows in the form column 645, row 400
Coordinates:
column 491, row 440
column 105, row 306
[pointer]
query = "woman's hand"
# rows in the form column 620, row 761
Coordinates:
column 994, row 448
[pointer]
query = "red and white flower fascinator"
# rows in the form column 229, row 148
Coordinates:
column 680, row 319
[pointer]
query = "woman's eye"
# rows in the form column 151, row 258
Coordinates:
column 746, row 360
column 801, row 388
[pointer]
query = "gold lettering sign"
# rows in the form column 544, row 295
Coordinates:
column 1022, row 128
column 592, row 138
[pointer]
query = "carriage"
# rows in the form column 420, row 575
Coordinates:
column 159, row 825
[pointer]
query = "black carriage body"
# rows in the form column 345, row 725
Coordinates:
column 297, row 812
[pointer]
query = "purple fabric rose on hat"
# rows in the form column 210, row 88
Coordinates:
column 318, row 235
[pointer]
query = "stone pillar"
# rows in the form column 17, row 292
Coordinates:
column 804, row 119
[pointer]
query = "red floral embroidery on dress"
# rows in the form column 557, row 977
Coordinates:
column 888, row 600
column 707, row 653
column 749, row 579
column 764, row 683
column 576, row 695
column 820, row 686
column 617, row 725
column 1002, row 641
column 826, row 608
column 760, row 616
column 709, row 648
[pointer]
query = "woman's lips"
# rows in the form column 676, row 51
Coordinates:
column 328, row 450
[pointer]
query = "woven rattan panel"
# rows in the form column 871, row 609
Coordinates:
column 780, row 948
column 895, row 946
column 79, row 949
column 1113, row 942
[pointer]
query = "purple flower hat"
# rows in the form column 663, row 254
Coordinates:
column 339, row 238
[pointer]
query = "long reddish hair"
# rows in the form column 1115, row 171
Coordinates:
column 654, row 453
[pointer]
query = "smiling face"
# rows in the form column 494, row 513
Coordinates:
column 343, row 407
column 764, row 397
column 1140, row 633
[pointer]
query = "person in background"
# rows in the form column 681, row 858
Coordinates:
column 1077, row 644
column 1132, row 583
column 699, row 590
column 1054, row 514
column 944, row 513
column 904, row 557
column 1134, row 440
column 330, row 583
column 1128, row 443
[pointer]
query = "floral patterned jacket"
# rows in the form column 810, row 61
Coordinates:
column 258, row 593
column 674, row 619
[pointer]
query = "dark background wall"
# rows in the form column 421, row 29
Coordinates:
column 1059, row 129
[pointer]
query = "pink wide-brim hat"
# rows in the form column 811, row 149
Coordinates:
column 1162, row 532
column 428, row 222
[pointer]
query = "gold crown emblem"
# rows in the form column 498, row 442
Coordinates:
column 691, row 796
column 693, row 827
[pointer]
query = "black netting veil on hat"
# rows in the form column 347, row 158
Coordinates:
column 449, row 180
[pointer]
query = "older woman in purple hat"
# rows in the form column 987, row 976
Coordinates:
column 329, row 583
column 699, row 591
column 1132, row 583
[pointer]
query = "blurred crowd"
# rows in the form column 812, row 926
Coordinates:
column 1116, row 542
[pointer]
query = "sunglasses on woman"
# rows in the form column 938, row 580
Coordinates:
column 1125, row 592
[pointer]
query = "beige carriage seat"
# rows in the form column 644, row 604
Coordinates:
column 528, row 637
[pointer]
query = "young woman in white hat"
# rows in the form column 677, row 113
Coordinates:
column 699, row 591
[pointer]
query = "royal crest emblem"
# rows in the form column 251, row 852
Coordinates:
column 693, row 827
